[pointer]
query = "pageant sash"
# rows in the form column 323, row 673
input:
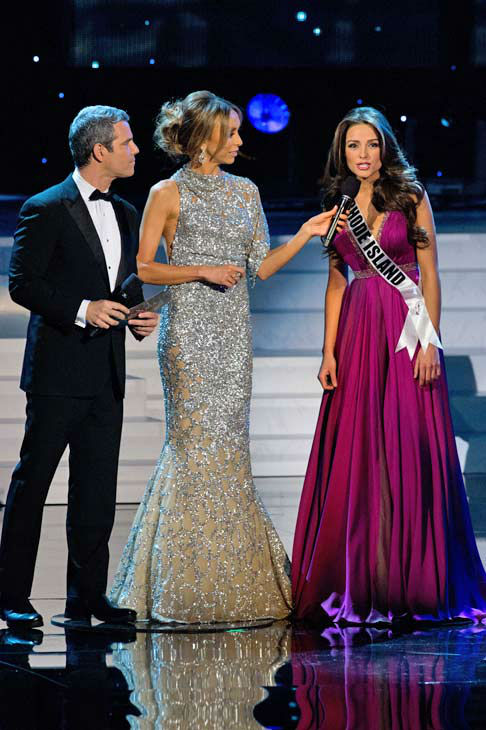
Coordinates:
column 418, row 326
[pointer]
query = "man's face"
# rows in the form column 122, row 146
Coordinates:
column 120, row 162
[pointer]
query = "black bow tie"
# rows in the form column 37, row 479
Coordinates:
column 98, row 195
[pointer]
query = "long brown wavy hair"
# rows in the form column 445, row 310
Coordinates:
column 397, row 188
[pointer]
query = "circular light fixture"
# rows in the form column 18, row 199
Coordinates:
column 268, row 113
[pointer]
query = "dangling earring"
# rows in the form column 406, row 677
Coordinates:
column 201, row 157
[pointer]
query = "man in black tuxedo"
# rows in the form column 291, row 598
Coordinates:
column 74, row 245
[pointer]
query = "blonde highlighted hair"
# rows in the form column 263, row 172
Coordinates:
column 183, row 125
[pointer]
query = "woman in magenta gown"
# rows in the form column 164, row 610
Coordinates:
column 383, row 530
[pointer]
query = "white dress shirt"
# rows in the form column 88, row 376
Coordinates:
column 104, row 220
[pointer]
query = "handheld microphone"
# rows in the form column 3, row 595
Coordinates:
column 349, row 190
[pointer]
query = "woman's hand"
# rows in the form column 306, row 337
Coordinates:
column 319, row 224
column 227, row 275
column 327, row 373
column 427, row 365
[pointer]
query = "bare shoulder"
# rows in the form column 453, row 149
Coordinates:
column 164, row 190
column 164, row 196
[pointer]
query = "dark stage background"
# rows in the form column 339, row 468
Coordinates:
column 422, row 61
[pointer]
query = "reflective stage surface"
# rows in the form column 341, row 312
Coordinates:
column 272, row 677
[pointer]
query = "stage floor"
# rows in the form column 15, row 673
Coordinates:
column 272, row 677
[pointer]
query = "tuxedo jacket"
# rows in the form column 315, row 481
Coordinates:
column 57, row 261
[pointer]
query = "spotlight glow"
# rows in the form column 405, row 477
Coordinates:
column 152, row 61
column 44, row 160
column 403, row 118
column 147, row 22
column 317, row 31
column 453, row 67
column 95, row 64
column 445, row 122
column 36, row 59
column 61, row 95
column 359, row 102
column 301, row 16
column 268, row 113
column 377, row 28
column 439, row 173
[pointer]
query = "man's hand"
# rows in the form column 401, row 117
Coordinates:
column 105, row 314
column 144, row 324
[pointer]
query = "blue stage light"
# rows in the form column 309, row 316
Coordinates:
column 95, row 64
column 377, row 28
column 147, row 22
column 152, row 61
column 439, row 173
column 317, row 31
column 268, row 113
column 445, row 122
column 44, row 160
column 359, row 102
column 453, row 67
column 403, row 118
column 61, row 95
column 301, row 16
column 36, row 59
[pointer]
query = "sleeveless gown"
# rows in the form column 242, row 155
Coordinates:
column 383, row 529
column 202, row 547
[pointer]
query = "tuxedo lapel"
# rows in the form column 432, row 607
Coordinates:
column 76, row 207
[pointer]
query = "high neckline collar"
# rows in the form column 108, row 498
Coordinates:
column 203, row 181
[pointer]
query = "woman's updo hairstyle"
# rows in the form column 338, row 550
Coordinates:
column 182, row 126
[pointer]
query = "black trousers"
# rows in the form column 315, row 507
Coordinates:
column 91, row 427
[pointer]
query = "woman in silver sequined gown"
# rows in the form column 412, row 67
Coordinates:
column 202, row 547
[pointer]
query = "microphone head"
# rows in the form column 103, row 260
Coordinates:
column 350, row 186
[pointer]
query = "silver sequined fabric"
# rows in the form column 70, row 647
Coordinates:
column 202, row 547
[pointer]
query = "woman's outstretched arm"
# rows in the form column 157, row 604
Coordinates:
column 276, row 258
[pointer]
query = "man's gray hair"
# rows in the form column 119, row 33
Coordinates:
column 93, row 125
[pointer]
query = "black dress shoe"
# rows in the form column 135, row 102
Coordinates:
column 78, row 609
column 20, row 614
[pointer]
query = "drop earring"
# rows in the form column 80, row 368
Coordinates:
column 202, row 157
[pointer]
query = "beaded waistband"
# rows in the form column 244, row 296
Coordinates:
column 368, row 273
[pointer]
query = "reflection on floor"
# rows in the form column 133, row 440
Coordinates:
column 274, row 677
